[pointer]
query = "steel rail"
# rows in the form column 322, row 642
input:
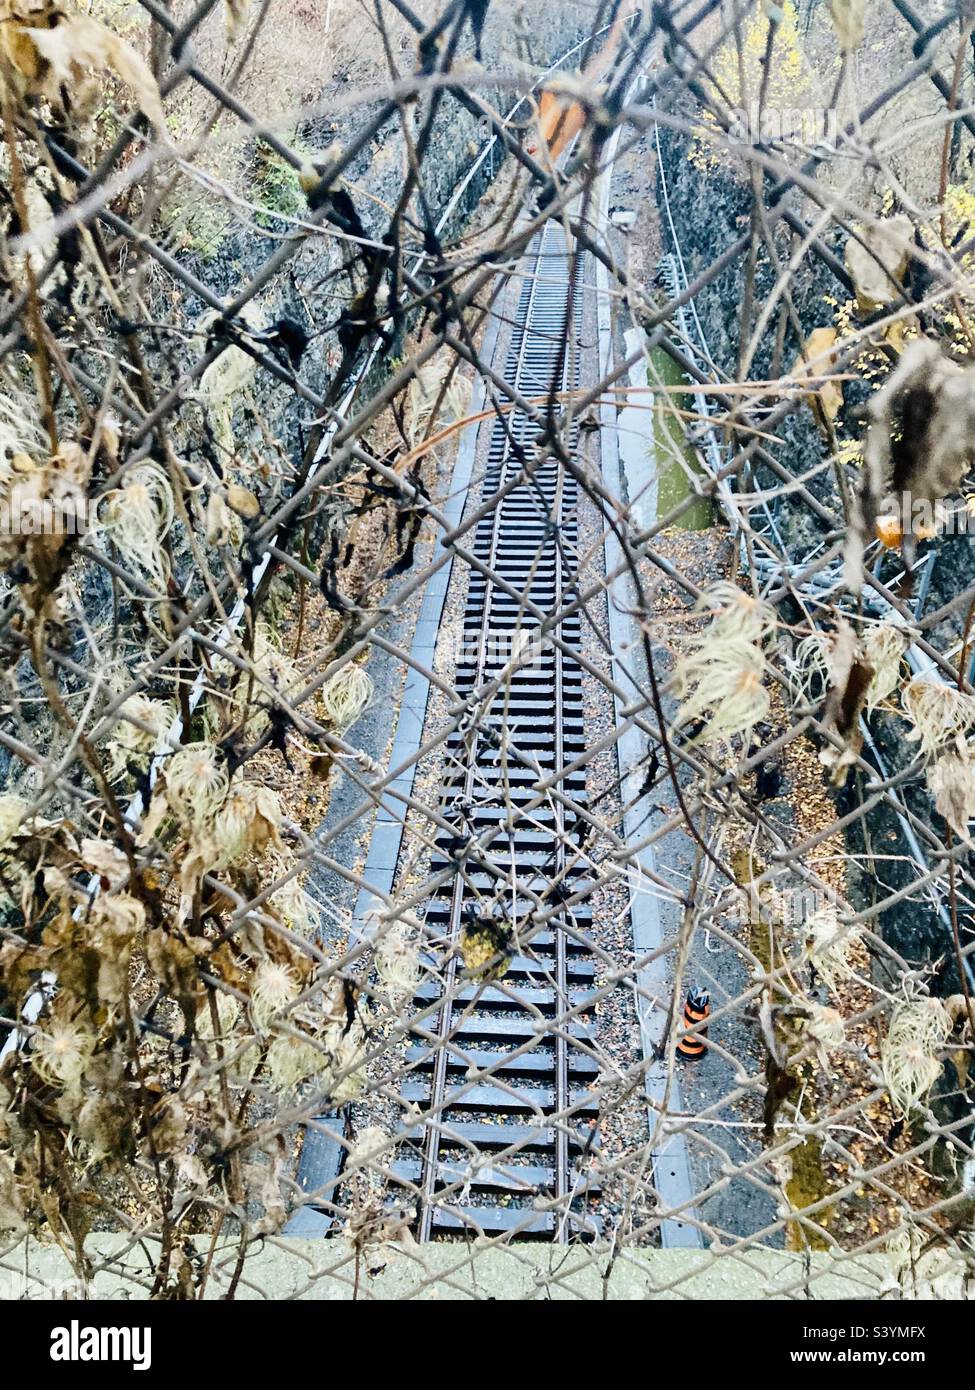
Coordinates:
column 443, row 1026
column 532, row 548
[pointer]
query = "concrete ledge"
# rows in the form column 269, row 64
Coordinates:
column 326, row 1269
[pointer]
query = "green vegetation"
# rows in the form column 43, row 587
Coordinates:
column 674, row 482
column 277, row 187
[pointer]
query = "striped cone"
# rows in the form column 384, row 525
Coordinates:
column 697, row 1007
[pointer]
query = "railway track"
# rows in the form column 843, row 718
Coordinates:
column 504, row 1087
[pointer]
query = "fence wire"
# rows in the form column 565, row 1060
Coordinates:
column 486, row 620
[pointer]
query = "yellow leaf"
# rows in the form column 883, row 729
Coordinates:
column 896, row 333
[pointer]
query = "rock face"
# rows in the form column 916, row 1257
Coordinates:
column 712, row 211
column 512, row 45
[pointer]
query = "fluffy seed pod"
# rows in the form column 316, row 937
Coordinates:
column 737, row 614
column 721, row 683
column 60, row 1052
column 883, row 647
column 292, row 1062
column 937, row 711
column 346, row 696
column 136, row 741
column 398, row 962
column 196, row 783
column 909, row 1056
column 720, row 679
column 137, row 516
column 296, row 908
column 246, row 823
column 810, row 664
column 828, row 946
column 272, row 988
column 825, row 1028
column 951, row 779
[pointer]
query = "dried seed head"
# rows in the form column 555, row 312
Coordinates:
column 141, row 725
column 346, row 696
column 937, row 711
column 13, row 810
column 196, row 783
column 951, row 779
column 291, row 1062
column 60, row 1052
column 137, row 516
column 297, row 908
column 825, row 1026
column 918, row 1031
column 721, row 683
column 273, row 986
column 883, row 647
column 737, row 614
column 810, row 665
column 720, row 679
column 398, row 961
column 829, row 944
column 246, row 823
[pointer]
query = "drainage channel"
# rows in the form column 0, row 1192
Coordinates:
column 508, row 1116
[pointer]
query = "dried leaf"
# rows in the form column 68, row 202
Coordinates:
column 877, row 261
column 560, row 118
column 234, row 16
column 79, row 43
column 848, row 21
column 816, row 362
column 104, row 859
column 243, row 502
column 850, row 678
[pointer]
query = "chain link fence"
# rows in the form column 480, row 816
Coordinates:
column 487, row 613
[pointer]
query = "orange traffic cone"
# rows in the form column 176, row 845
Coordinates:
column 697, row 1007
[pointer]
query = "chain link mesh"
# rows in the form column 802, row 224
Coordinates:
column 484, row 721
